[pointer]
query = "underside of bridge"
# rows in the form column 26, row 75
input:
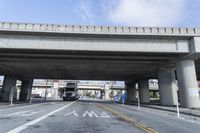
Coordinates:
column 82, row 65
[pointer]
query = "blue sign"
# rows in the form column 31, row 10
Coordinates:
column 123, row 98
column 115, row 98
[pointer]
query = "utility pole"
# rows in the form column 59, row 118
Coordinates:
column 177, row 108
column 138, row 101
column 46, row 90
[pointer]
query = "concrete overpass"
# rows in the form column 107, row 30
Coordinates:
column 132, row 54
column 62, row 85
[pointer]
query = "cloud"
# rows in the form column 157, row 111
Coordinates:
column 145, row 12
column 84, row 10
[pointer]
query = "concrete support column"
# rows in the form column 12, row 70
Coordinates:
column 26, row 89
column 8, row 88
column 107, row 91
column 131, row 92
column 143, row 88
column 187, row 84
column 167, row 87
column 101, row 94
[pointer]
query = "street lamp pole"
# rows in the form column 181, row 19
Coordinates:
column 46, row 90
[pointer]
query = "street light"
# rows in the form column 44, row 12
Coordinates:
column 46, row 90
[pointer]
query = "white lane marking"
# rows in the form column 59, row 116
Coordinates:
column 104, row 115
column 19, row 113
column 28, row 105
column 73, row 112
column 23, row 113
column 32, row 113
column 90, row 114
column 22, row 127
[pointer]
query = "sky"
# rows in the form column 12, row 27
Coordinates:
column 168, row 13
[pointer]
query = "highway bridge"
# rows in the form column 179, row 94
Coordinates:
column 130, row 54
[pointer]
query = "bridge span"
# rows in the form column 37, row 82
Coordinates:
column 131, row 54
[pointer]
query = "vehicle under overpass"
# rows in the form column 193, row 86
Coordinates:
column 131, row 54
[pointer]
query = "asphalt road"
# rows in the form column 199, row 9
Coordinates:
column 92, row 117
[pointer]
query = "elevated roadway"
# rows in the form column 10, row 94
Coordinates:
column 44, row 51
column 131, row 54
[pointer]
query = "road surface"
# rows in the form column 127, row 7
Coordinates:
column 85, row 116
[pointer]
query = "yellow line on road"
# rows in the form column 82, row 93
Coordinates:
column 127, row 119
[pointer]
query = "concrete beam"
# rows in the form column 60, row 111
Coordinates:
column 167, row 87
column 187, row 83
column 107, row 30
column 143, row 88
column 26, row 89
column 98, row 44
column 8, row 89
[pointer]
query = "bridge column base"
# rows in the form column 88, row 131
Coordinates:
column 143, row 88
column 167, row 87
column 8, row 88
column 187, row 83
column 26, row 89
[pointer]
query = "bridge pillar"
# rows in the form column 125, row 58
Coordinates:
column 167, row 87
column 101, row 94
column 143, row 88
column 26, row 89
column 107, row 91
column 8, row 88
column 131, row 92
column 187, row 84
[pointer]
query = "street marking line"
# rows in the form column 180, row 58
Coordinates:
column 23, row 106
column 129, row 120
column 19, row 113
column 22, row 127
column 90, row 114
column 31, row 113
column 73, row 112
column 104, row 115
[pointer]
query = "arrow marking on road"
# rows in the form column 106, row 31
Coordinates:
column 73, row 112
column 104, row 115
column 90, row 114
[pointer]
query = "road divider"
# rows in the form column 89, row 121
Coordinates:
column 127, row 119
